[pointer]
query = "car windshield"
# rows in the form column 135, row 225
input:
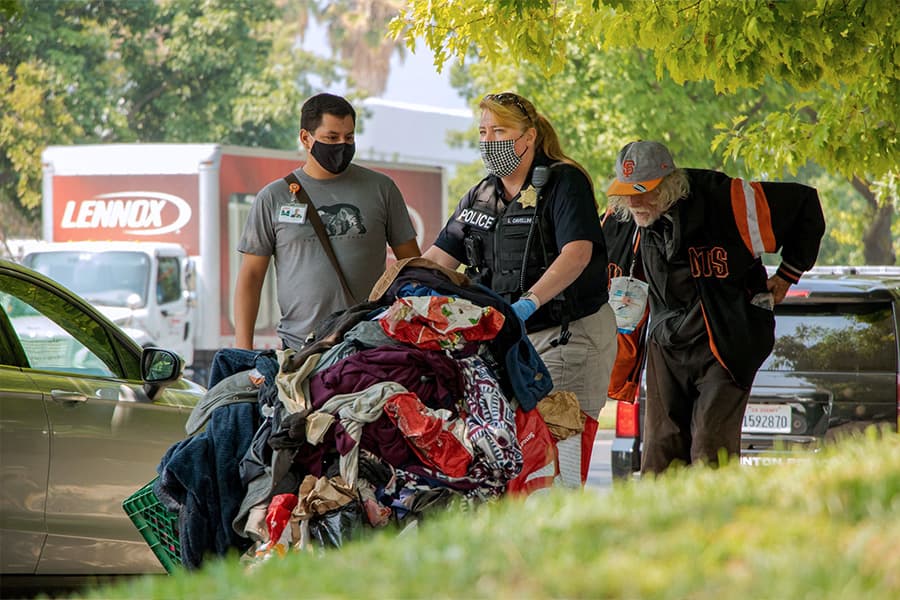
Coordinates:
column 102, row 278
column 833, row 337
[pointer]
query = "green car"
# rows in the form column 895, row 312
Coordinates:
column 86, row 415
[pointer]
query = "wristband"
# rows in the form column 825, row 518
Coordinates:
column 529, row 295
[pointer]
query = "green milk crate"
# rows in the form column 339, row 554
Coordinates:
column 157, row 524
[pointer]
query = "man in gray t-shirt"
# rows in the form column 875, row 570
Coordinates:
column 362, row 210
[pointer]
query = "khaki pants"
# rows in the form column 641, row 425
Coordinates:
column 582, row 367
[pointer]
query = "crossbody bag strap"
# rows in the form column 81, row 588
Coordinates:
column 316, row 221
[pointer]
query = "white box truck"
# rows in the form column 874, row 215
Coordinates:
column 147, row 233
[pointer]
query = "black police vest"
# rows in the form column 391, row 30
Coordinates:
column 495, row 241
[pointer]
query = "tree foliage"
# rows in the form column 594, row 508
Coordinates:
column 228, row 71
column 92, row 71
column 356, row 35
column 768, row 87
column 602, row 98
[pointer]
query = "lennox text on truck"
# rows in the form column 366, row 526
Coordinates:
column 147, row 233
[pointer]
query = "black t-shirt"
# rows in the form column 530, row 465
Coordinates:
column 573, row 213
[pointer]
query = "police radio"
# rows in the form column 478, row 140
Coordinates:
column 539, row 177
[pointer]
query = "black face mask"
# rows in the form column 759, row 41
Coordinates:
column 334, row 158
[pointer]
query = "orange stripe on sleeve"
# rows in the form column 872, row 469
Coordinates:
column 764, row 218
column 739, row 209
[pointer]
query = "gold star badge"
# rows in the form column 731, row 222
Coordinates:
column 528, row 197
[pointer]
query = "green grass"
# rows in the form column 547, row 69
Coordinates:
column 827, row 527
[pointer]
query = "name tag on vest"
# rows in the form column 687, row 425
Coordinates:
column 477, row 219
column 518, row 220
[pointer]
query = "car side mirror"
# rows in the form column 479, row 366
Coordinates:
column 159, row 368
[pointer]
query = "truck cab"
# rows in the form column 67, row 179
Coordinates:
column 147, row 288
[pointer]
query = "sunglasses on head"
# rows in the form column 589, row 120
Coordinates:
column 507, row 98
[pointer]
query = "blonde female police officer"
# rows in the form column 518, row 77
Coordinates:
column 530, row 231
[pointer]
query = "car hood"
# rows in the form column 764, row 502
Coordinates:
column 116, row 314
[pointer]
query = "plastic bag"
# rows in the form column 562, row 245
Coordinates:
column 334, row 528
column 587, row 445
column 628, row 298
column 278, row 523
column 540, row 457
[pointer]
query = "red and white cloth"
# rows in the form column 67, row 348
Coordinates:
column 440, row 322
column 435, row 439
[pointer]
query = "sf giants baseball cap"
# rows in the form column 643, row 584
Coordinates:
column 640, row 167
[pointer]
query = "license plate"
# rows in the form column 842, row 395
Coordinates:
column 767, row 418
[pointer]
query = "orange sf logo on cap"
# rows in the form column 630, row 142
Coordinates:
column 628, row 168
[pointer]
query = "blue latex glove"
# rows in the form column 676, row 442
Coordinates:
column 524, row 308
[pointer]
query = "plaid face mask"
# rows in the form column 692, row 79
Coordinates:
column 500, row 156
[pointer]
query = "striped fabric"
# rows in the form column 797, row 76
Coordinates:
column 751, row 214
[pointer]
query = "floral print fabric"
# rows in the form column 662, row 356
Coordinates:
column 440, row 322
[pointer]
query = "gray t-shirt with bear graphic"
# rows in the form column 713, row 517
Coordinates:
column 362, row 210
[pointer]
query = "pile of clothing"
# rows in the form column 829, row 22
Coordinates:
column 422, row 396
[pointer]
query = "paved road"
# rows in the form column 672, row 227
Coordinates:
column 600, row 474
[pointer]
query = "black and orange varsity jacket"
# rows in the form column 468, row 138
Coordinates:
column 726, row 225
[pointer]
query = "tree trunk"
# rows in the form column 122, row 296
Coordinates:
column 16, row 222
column 878, row 245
